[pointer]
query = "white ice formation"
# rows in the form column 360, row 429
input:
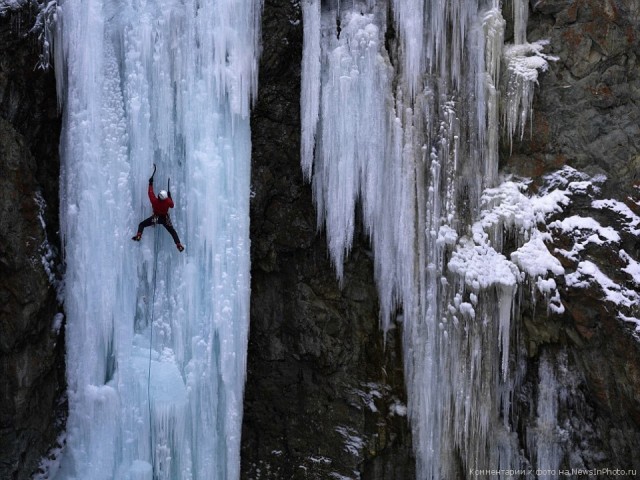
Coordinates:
column 156, row 339
column 405, row 125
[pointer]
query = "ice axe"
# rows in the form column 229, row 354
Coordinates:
column 152, row 175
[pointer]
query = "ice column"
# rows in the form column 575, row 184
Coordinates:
column 493, row 25
column 156, row 339
column 544, row 439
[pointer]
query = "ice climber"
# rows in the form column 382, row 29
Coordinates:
column 161, row 205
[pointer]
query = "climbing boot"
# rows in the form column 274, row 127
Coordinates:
column 137, row 237
column 180, row 247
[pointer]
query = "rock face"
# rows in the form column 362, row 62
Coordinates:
column 31, row 345
column 587, row 116
column 323, row 394
column 585, row 111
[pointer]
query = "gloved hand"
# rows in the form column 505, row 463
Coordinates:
column 150, row 180
column 169, row 193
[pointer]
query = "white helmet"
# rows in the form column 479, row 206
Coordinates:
column 162, row 195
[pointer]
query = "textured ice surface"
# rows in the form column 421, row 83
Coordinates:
column 524, row 61
column 414, row 143
column 156, row 340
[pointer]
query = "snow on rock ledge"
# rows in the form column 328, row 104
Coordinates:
column 506, row 210
column 551, row 245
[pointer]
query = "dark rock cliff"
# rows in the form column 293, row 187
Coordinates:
column 31, row 343
column 586, row 111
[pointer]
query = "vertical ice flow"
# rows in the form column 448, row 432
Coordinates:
column 412, row 143
column 545, row 437
column 156, row 340
column 310, row 97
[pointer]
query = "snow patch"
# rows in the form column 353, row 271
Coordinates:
column 339, row 476
column 398, row 408
column 588, row 274
column 12, row 5
column 319, row 459
column 631, row 221
column 583, row 231
column 50, row 463
column 576, row 222
column 481, row 266
column 353, row 443
column 534, row 258
column 634, row 320
column 506, row 208
column 48, row 254
column 632, row 267
column 369, row 394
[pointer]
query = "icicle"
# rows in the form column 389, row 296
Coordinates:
column 524, row 62
column 520, row 17
column 493, row 25
column 409, row 15
column 544, row 438
column 505, row 303
column 310, row 94
column 354, row 94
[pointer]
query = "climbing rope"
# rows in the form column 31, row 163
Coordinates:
column 153, row 303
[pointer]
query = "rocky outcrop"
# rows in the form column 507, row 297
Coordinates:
column 324, row 393
column 31, row 343
column 586, row 110
column 587, row 116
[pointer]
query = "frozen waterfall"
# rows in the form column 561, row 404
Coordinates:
column 156, row 339
column 404, row 123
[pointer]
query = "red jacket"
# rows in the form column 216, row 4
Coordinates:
column 160, row 207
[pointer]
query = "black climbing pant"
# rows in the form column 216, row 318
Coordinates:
column 162, row 220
